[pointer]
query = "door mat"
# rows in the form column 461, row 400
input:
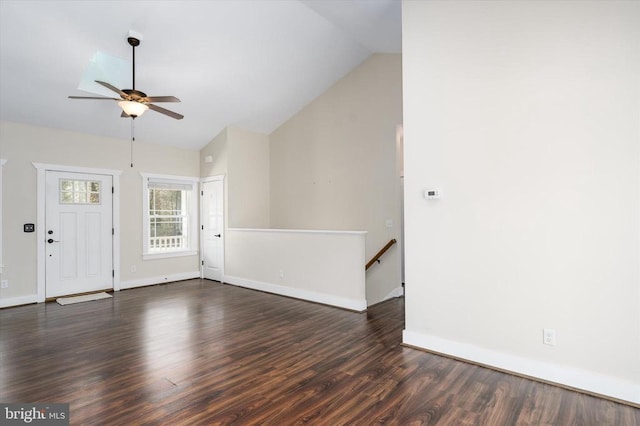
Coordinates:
column 85, row 298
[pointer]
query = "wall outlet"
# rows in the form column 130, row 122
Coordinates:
column 4, row 284
column 134, row 269
column 281, row 274
column 549, row 336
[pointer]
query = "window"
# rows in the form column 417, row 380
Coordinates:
column 169, row 210
column 79, row 192
column 168, row 217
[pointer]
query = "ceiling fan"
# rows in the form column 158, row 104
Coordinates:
column 133, row 102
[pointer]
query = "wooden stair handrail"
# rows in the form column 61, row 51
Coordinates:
column 382, row 251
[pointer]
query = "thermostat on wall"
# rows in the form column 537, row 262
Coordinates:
column 432, row 194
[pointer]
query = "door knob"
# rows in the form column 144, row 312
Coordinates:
column 49, row 232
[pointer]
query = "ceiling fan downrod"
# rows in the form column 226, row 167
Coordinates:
column 133, row 42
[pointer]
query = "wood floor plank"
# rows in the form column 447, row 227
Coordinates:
column 200, row 352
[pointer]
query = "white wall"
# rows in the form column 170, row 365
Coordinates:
column 320, row 266
column 526, row 115
column 333, row 165
column 21, row 145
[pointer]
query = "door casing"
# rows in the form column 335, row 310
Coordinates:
column 41, row 232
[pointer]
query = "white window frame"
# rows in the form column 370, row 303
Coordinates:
column 192, row 212
column 1, row 239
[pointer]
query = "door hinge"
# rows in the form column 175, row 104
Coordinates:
column 202, row 226
column 113, row 231
column 202, row 193
column 203, row 263
column 113, row 190
column 113, row 273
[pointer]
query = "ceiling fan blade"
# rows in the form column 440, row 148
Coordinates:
column 165, row 112
column 161, row 99
column 113, row 88
column 94, row 97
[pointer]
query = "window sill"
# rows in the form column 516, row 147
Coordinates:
column 164, row 255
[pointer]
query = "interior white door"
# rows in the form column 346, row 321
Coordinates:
column 212, row 225
column 79, row 233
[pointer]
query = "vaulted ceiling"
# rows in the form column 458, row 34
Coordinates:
column 246, row 63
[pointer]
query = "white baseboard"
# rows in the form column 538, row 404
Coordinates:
column 159, row 280
column 6, row 302
column 396, row 292
column 312, row 296
column 568, row 376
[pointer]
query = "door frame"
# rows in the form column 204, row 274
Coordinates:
column 224, row 223
column 41, row 174
column 2, row 161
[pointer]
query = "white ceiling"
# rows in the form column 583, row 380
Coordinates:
column 250, row 63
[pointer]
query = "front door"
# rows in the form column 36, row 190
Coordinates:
column 212, row 225
column 79, row 233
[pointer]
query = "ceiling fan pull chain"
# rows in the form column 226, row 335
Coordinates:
column 132, row 139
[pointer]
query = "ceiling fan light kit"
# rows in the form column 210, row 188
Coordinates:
column 133, row 109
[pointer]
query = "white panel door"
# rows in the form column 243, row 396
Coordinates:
column 212, row 225
column 79, row 236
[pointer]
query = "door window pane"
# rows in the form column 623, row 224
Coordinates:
column 79, row 192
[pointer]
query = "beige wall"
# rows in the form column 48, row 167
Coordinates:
column 333, row 165
column 526, row 115
column 249, row 194
column 217, row 150
column 21, row 145
column 243, row 158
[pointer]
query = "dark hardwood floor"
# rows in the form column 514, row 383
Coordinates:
column 200, row 352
